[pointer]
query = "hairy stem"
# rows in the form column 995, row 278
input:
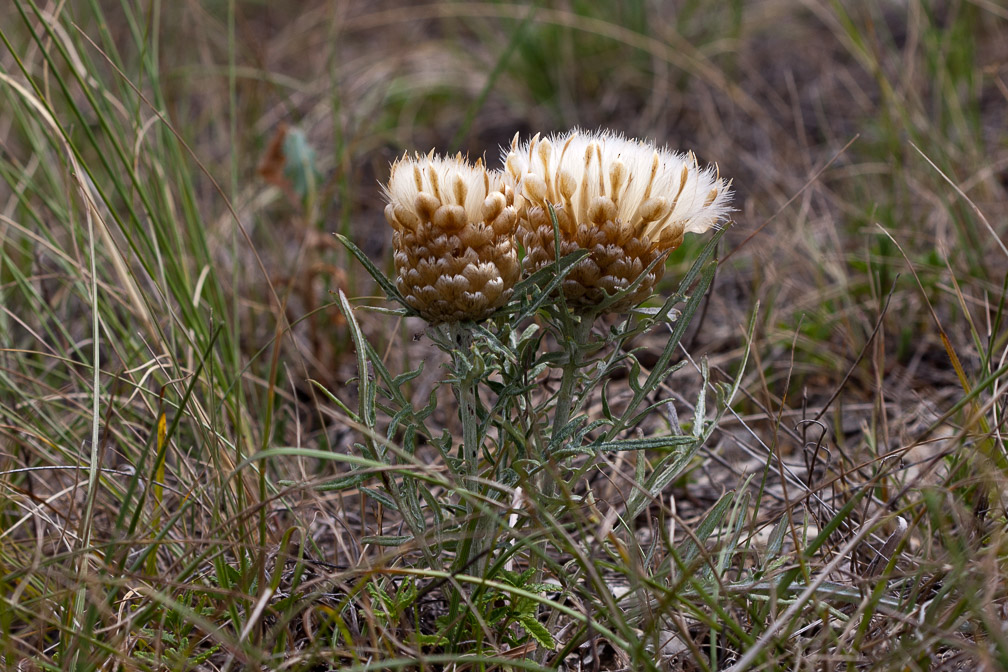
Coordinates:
column 574, row 337
column 473, row 551
column 574, row 341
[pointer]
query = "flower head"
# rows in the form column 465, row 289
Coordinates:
column 454, row 224
column 627, row 202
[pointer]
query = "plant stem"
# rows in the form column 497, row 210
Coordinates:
column 574, row 339
column 573, row 336
column 466, row 395
column 473, row 554
column 466, row 388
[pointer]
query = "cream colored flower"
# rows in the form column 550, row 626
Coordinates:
column 454, row 225
column 627, row 202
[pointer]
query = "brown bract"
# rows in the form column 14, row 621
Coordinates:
column 616, row 257
column 454, row 225
column 626, row 202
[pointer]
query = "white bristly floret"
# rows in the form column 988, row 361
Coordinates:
column 653, row 188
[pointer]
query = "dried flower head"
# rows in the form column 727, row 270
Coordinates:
column 627, row 202
column 454, row 225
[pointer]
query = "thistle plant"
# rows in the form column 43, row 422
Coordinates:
column 625, row 202
column 453, row 225
column 595, row 217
